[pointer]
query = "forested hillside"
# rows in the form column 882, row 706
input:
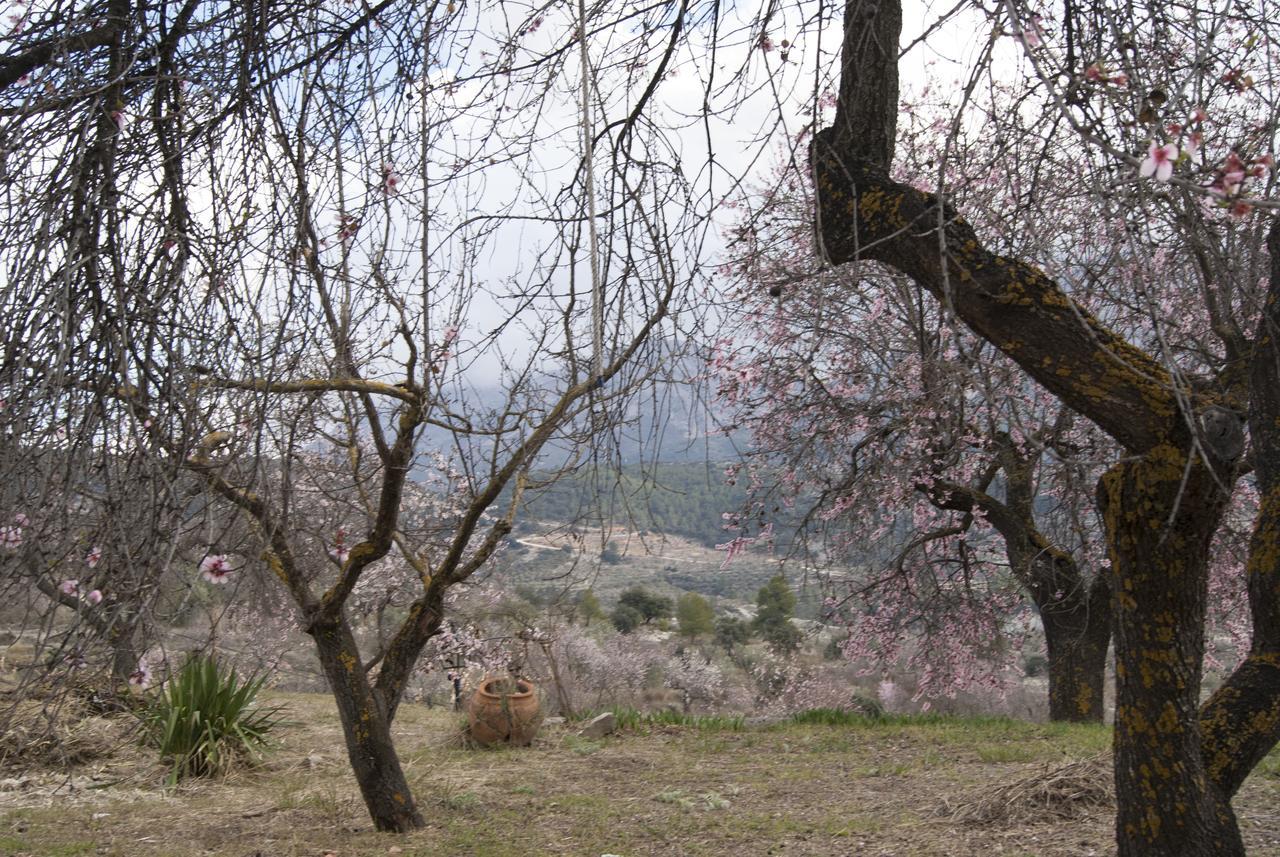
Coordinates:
column 689, row 499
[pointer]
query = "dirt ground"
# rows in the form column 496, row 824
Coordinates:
column 956, row 787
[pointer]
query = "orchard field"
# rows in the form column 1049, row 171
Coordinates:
column 906, row 786
column 739, row 361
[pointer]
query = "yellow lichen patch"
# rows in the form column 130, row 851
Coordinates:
column 277, row 567
column 877, row 204
column 1084, row 699
column 1168, row 721
column 348, row 661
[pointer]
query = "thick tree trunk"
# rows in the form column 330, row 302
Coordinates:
column 1160, row 515
column 1078, row 634
column 367, row 729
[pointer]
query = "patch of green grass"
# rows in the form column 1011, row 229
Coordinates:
column 459, row 801
column 1269, row 767
column 834, row 717
column 1006, row 753
column 630, row 719
column 20, row 845
column 582, row 746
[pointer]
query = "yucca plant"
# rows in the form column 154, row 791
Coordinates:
column 204, row 719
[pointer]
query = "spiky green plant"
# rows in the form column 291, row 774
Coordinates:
column 204, row 719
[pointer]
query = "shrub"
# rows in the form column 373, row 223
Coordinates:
column 204, row 719
column 649, row 604
column 626, row 618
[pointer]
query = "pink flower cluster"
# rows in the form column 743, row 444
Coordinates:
column 216, row 568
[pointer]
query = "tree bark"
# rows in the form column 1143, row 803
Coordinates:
column 1160, row 515
column 1077, row 631
column 366, row 725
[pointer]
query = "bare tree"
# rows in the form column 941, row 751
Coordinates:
column 298, row 255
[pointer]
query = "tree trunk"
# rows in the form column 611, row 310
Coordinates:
column 367, row 730
column 1160, row 515
column 124, row 654
column 1077, row 641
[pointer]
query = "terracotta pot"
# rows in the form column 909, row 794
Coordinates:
column 510, row 717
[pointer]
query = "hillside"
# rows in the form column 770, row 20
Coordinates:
column 688, row 499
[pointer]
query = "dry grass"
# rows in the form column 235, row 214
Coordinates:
column 1062, row 792
column 667, row 790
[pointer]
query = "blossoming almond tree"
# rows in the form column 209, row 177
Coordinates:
column 1177, row 764
column 919, row 447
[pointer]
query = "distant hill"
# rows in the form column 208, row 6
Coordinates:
column 683, row 499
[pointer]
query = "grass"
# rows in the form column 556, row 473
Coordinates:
column 634, row 720
column 684, row 786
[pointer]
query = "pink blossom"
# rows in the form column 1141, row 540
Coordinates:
column 10, row 537
column 94, row 597
column 1032, row 34
column 216, row 568
column 141, row 677
column 1227, row 182
column 1194, row 142
column 19, row 519
column 340, row 554
column 1159, row 162
column 390, row 178
column 94, row 557
column 69, row 587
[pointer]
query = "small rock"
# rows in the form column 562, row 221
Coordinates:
column 314, row 760
column 600, row 726
column 14, row 783
column 98, row 816
column 553, row 721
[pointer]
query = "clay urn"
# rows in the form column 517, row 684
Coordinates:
column 504, row 711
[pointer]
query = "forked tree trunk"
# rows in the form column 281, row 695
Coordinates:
column 367, row 730
column 1074, row 611
column 1160, row 516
